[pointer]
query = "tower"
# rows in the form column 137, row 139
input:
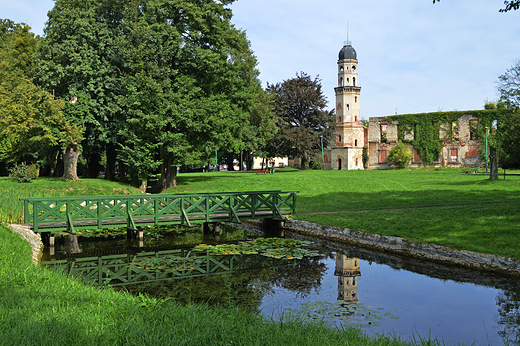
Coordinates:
column 348, row 150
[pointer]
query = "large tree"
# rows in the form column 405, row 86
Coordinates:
column 32, row 124
column 300, row 105
column 509, row 86
column 159, row 84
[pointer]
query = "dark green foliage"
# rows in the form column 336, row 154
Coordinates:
column 400, row 155
column 300, row 105
column 365, row 157
column 509, row 130
column 157, row 84
column 23, row 173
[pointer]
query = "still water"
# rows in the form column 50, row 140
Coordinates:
column 378, row 292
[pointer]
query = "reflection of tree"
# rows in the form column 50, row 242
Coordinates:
column 244, row 289
column 301, row 278
column 509, row 310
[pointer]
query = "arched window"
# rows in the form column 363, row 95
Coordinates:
column 355, row 144
column 341, row 81
column 348, row 81
column 354, row 81
column 355, row 118
column 353, row 68
column 355, row 98
column 341, row 69
column 348, row 107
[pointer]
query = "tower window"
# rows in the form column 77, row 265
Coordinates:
column 348, row 107
column 355, row 98
column 354, row 81
column 355, row 144
column 353, row 68
column 341, row 68
column 339, row 119
column 348, row 81
column 355, row 118
column 341, row 81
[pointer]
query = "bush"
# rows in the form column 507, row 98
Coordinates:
column 400, row 156
column 315, row 164
column 24, row 173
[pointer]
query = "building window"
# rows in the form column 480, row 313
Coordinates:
column 348, row 107
column 341, row 81
column 355, row 144
column 354, row 81
column 355, row 98
column 473, row 130
column 341, row 69
column 355, row 118
column 357, row 160
column 416, row 157
column 339, row 119
column 453, row 155
column 353, row 68
column 382, row 156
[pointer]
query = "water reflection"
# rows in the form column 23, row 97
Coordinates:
column 347, row 270
column 394, row 294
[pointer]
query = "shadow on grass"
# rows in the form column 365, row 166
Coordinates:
column 355, row 201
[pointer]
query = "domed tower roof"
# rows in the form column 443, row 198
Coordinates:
column 347, row 52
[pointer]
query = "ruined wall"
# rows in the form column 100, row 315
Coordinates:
column 459, row 147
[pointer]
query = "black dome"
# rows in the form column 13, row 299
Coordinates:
column 347, row 52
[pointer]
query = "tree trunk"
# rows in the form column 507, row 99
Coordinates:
column 144, row 185
column 54, row 164
column 122, row 172
column 493, row 163
column 70, row 162
column 303, row 162
column 111, row 162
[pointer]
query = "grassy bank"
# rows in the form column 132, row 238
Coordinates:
column 40, row 307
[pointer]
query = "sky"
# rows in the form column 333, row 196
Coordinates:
column 413, row 56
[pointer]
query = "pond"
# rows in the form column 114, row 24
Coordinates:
column 344, row 285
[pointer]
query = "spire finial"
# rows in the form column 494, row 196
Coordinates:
column 347, row 42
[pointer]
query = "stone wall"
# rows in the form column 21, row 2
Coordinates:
column 407, row 247
column 34, row 240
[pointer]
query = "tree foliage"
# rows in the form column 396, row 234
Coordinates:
column 400, row 155
column 300, row 105
column 509, row 86
column 508, row 5
column 159, row 84
column 32, row 123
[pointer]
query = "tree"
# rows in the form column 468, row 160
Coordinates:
column 300, row 105
column 509, row 86
column 508, row 5
column 159, row 84
column 32, row 123
column 400, row 155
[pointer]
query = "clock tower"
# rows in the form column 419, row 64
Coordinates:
column 348, row 150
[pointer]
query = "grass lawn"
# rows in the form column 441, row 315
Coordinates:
column 463, row 211
column 41, row 307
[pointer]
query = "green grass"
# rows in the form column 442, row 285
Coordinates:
column 445, row 207
column 11, row 209
column 41, row 307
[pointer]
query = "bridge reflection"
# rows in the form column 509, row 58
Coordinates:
column 145, row 267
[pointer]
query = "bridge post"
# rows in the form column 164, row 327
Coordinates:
column 207, row 228
column 273, row 227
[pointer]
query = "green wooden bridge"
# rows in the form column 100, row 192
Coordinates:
column 53, row 214
column 128, row 269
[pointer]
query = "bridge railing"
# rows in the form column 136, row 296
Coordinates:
column 95, row 212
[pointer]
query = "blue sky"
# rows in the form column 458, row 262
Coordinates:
column 413, row 56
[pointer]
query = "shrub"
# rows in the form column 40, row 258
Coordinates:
column 400, row 156
column 24, row 173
